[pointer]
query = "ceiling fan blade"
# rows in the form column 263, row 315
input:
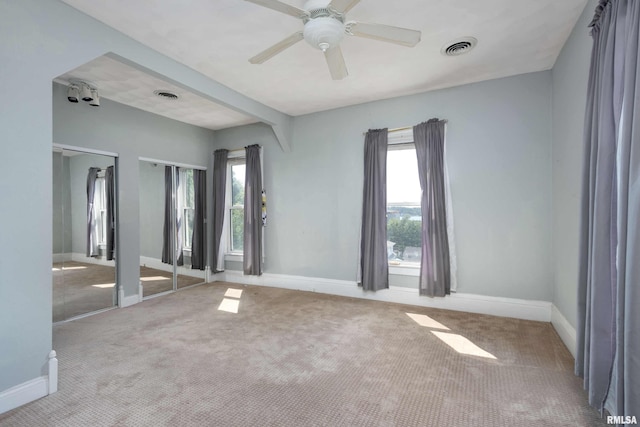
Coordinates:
column 343, row 6
column 277, row 48
column 386, row 33
column 281, row 7
column 335, row 61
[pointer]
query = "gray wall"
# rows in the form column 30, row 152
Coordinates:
column 79, row 168
column 151, row 209
column 61, row 201
column 570, row 76
column 499, row 155
column 40, row 40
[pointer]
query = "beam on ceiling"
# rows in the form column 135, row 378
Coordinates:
column 220, row 94
column 283, row 135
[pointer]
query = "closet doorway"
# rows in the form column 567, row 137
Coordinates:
column 84, row 232
column 172, row 227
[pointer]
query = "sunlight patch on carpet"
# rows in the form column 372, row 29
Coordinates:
column 426, row 321
column 229, row 305
column 68, row 268
column 462, row 345
column 153, row 278
column 104, row 285
column 233, row 293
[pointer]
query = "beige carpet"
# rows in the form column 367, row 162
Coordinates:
column 290, row 358
column 80, row 288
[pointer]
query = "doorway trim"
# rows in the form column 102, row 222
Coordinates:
column 85, row 150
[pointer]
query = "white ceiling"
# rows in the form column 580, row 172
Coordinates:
column 127, row 85
column 217, row 37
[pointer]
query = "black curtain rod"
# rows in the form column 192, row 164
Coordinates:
column 406, row 127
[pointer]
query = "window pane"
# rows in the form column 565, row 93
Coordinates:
column 189, row 189
column 237, row 229
column 403, row 183
column 237, row 185
column 188, row 227
column 101, row 225
column 99, row 210
column 404, row 238
column 404, row 218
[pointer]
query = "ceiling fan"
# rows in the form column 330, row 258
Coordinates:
column 324, row 28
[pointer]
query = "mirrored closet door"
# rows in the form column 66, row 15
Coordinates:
column 84, row 224
column 172, row 227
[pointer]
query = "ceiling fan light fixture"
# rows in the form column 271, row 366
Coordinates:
column 81, row 90
column 324, row 33
column 85, row 93
column 73, row 93
column 95, row 101
column 325, row 27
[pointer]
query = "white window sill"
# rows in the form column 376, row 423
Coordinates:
column 237, row 257
column 405, row 269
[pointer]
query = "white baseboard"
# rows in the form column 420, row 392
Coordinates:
column 80, row 257
column 564, row 329
column 61, row 257
column 52, row 380
column 31, row 390
column 497, row 306
column 157, row 264
column 24, row 393
column 129, row 300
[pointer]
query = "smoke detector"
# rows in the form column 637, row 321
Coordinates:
column 166, row 94
column 459, row 46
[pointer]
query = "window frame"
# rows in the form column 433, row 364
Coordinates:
column 100, row 215
column 402, row 140
column 186, row 231
column 230, row 253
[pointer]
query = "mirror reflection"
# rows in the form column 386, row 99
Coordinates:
column 84, row 221
column 172, row 206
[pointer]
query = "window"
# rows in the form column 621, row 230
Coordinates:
column 404, row 216
column 187, row 204
column 100, row 210
column 235, row 190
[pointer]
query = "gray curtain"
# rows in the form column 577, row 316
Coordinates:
column 608, row 342
column 168, row 237
column 435, row 274
column 219, row 189
column 167, row 229
column 109, row 182
column 198, row 239
column 179, row 212
column 252, row 251
column 374, row 263
column 92, row 233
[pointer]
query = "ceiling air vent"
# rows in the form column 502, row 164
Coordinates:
column 166, row 94
column 459, row 47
